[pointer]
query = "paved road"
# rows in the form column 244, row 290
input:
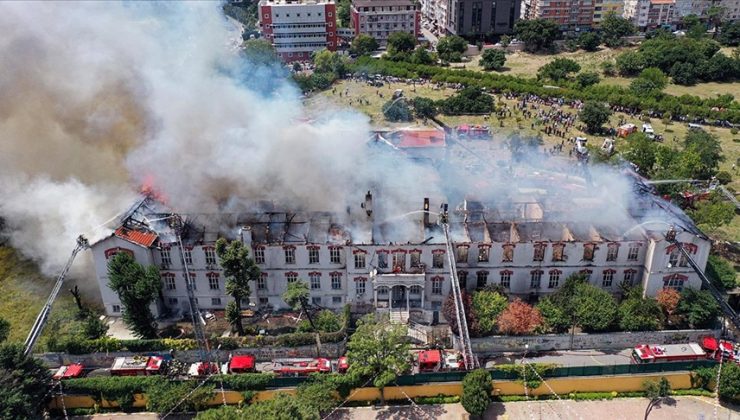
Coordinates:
column 569, row 358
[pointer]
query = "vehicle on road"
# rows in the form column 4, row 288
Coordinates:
column 137, row 366
column 75, row 370
column 242, row 363
column 300, row 367
column 657, row 353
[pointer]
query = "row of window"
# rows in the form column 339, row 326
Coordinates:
column 558, row 252
column 607, row 278
column 170, row 284
column 386, row 8
column 166, row 256
column 303, row 35
column 304, row 45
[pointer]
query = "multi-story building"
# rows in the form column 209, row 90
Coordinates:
column 700, row 8
column 297, row 28
column 569, row 14
column 405, row 264
column 651, row 14
column 603, row 7
column 380, row 18
column 482, row 17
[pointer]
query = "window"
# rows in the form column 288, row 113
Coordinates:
column 315, row 279
column 608, row 278
column 291, row 276
column 188, row 255
column 359, row 260
column 539, row 252
column 438, row 259
column 336, row 300
column 629, row 277
column 382, row 260
column 259, row 255
column 462, row 254
column 674, row 281
column 360, row 283
column 210, row 255
column 216, row 301
column 264, row 301
column 483, row 253
column 508, row 255
column 482, row 279
column 330, row 14
column 172, row 301
column 554, row 279
column 262, row 282
column 462, row 277
column 415, row 290
column 213, row 281
column 633, row 252
column 437, row 285
column 192, row 284
column 536, row 279
column 506, row 278
column 169, row 281
column 313, row 255
column 336, row 281
column 289, row 254
column 399, row 260
column 335, row 255
column 316, row 300
column 382, row 290
column 612, row 252
column 588, row 252
column 415, row 257
column 166, row 258
column 116, row 309
column 557, row 252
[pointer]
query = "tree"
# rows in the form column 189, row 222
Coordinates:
column 476, row 394
column 642, row 151
column 364, row 44
column 4, row 330
column 239, row 270
column 587, row 78
column 487, row 306
column 259, row 51
column 537, row 34
column 720, row 271
column 326, row 61
column 450, row 314
column 519, row 318
column 470, row 100
column 326, row 321
column 684, row 74
column 493, row 59
column 401, row 42
column 730, row 35
column 594, row 115
column 656, row 392
column 698, row 308
column 614, row 28
column 714, row 212
column 630, row 63
column 179, row 397
column 729, row 382
column 23, row 384
column 708, row 148
column 382, row 349
column 344, row 13
column 424, row 107
column 595, row 309
column 296, row 296
column 650, row 81
column 558, row 69
column 451, row 48
column 422, row 56
column 397, row 110
column 137, row 287
column 589, row 41
column 93, row 328
column 668, row 300
column 639, row 314
column 555, row 319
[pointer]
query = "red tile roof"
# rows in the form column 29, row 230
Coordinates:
column 421, row 138
column 143, row 238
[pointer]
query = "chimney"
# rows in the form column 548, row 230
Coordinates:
column 368, row 204
column 426, row 212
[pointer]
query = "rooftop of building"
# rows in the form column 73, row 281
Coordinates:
column 370, row 3
column 294, row 2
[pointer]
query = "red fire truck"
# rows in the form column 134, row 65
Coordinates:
column 137, row 366
column 717, row 349
column 657, row 353
column 75, row 370
column 342, row 364
column 243, row 363
column 203, row 369
column 439, row 360
column 300, row 367
column 473, row 131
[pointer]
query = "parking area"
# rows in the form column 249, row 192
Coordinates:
column 567, row 358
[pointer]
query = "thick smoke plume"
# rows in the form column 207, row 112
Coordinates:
column 99, row 98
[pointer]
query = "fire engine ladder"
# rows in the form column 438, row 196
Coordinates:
column 471, row 362
column 195, row 316
column 718, row 296
column 43, row 316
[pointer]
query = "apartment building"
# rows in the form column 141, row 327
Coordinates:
column 482, row 17
column 569, row 14
column 603, row 7
column 730, row 8
column 651, row 14
column 297, row 28
column 381, row 18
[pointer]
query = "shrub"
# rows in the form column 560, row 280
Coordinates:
column 120, row 388
column 244, row 382
column 438, row 399
column 396, row 110
column 476, row 394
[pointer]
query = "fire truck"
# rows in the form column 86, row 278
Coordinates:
column 203, row 369
column 137, row 366
column 482, row 132
column 342, row 364
column 439, row 360
column 657, row 353
column 243, row 363
column 300, row 367
column 75, row 370
column 717, row 349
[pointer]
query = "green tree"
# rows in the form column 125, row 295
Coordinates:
column 656, row 392
column 589, row 41
column 296, row 296
column 730, row 35
column 326, row 321
column 424, row 107
column 137, row 287
column 382, row 349
column 4, row 329
column 23, row 384
column 93, row 328
column 558, row 69
column 537, row 34
column 555, row 318
column 259, row 51
column 488, row 305
column 729, row 382
column 326, row 61
column 397, row 110
column 721, row 272
column 401, row 43
column 470, row 100
column 364, row 44
column 422, row 56
column 708, row 148
column 476, row 394
column 343, row 13
column 639, row 314
column 614, row 28
column 493, row 59
column 650, row 81
column 698, row 308
column 224, row 412
column 594, row 115
column 587, row 78
column 282, row 407
column 595, row 309
column 714, row 212
column 684, row 74
column 177, row 397
column 451, row 48
column 630, row 63
column 239, row 269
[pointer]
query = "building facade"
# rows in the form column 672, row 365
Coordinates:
column 651, row 14
column 603, row 7
column 569, row 14
column 381, row 18
column 298, row 28
column 482, row 17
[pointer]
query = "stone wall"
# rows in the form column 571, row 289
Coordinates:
column 607, row 341
column 262, row 354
